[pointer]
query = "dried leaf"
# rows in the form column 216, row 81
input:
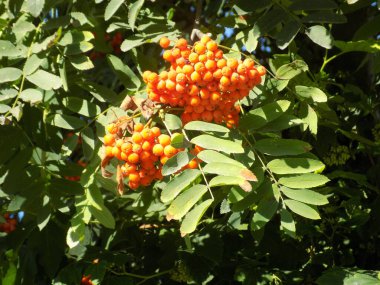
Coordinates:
column 248, row 175
column 128, row 104
column 120, row 180
column 105, row 161
column 246, row 186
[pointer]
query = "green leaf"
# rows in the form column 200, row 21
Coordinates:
column 309, row 118
column 257, row 118
column 34, row 7
column 185, row 201
column 264, row 213
column 290, row 70
column 125, row 74
column 131, row 43
column 305, row 196
column 228, row 169
column 369, row 46
column 302, row 209
column 8, row 74
column 324, row 17
column 97, row 207
column 81, row 19
column 66, row 121
column 133, row 12
column 32, row 96
column 287, row 34
column 315, row 94
column 100, row 92
column 361, row 279
column 222, row 180
column 45, row 80
column 81, row 62
column 293, row 165
column 179, row 141
column 88, row 144
column 81, row 106
column 214, row 156
column 176, row 162
column 178, row 183
column 368, row 29
column 7, row 49
column 205, row 127
column 62, row 73
column 112, row 8
column 283, row 122
column 287, row 223
column 79, row 48
column 309, row 180
column 211, row 142
column 32, row 64
column 279, row 147
column 320, row 35
column 313, row 5
column 75, row 37
column 190, row 222
column 173, row 122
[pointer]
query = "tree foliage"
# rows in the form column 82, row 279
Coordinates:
column 289, row 195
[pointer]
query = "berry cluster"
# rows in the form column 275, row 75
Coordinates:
column 86, row 280
column 10, row 223
column 202, row 81
column 143, row 153
column 115, row 42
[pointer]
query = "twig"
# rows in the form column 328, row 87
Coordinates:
column 198, row 13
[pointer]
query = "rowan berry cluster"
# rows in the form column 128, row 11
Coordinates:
column 86, row 280
column 9, row 225
column 202, row 81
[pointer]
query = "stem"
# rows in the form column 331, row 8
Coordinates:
column 23, row 74
column 145, row 277
column 197, row 21
column 326, row 61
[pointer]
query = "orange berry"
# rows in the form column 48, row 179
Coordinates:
column 205, row 39
column 193, row 57
column 145, row 155
column 124, row 156
column 164, row 159
column 119, row 142
column 134, row 177
column 136, row 148
column 199, row 48
column 108, row 151
column 207, row 77
column 126, row 147
column 170, row 85
column 116, row 152
column 181, row 78
column 195, row 76
column 187, row 69
column 133, row 185
column 194, row 101
column 146, row 134
column 232, row 63
column 210, row 55
column 164, row 140
column 172, row 75
column 210, row 64
column 207, row 116
column 158, row 149
column 109, row 139
column 138, row 127
column 133, row 158
column 155, row 131
column 227, row 71
column 181, row 44
column 185, row 53
column 193, row 90
column 167, row 55
column 146, row 74
column 218, row 54
column 153, row 77
column 217, row 74
column 215, row 97
column 180, row 62
column 262, row 70
column 163, row 75
column 202, row 58
column 212, row 46
column 137, row 137
column 221, row 63
column 169, row 151
column 199, row 109
column 204, row 93
column 176, row 53
column 199, row 66
column 249, row 62
column 225, row 81
column 235, row 78
column 241, row 69
column 192, row 164
column 112, row 128
column 164, row 42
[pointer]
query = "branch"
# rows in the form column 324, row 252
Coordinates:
column 198, row 13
